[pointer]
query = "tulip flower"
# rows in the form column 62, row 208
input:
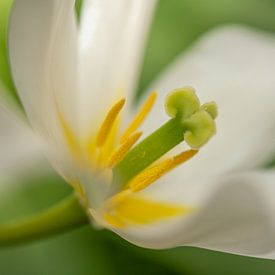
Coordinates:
column 75, row 83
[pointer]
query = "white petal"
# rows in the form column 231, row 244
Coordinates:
column 42, row 46
column 235, row 214
column 233, row 66
column 237, row 217
column 111, row 44
column 20, row 149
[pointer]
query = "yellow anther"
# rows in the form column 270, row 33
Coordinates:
column 139, row 210
column 150, row 175
column 113, row 220
column 139, row 118
column 117, row 199
column 108, row 122
column 183, row 157
column 119, row 154
column 103, row 155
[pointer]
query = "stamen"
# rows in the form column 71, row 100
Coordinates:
column 108, row 123
column 103, row 155
column 117, row 198
column 113, row 220
column 139, row 118
column 120, row 153
column 190, row 122
column 150, row 175
column 139, row 210
column 183, row 157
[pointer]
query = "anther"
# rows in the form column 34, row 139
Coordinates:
column 140, row 117
column 183, row 157
column 108, row 123
column 117, row 199
column 113, row 220
column 150, row 175
column 120, row 153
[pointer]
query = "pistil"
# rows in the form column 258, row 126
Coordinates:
column 190, row 121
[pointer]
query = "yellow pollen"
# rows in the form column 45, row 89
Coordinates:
column 117, row 199
column 139, row 118
column 139, row 210
column 114, row 221
column 150, row 175
column 108, row 122
column 183, row 157
column 104, row 152
column 120, row 153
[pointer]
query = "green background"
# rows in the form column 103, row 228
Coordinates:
column 177, row 24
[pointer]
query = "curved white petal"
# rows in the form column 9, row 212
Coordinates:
column 237, row 217
column 111, row 41
column 20, row 149
column 42, row 48
column 233, row 66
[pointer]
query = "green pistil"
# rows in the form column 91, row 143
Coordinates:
column 149, row 150
column 190, row 121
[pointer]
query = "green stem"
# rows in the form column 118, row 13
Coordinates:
column 64, row 216
column 149, row 150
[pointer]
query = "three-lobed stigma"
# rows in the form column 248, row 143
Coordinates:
column 198, row 120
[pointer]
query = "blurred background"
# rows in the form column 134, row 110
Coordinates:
column 177, row 24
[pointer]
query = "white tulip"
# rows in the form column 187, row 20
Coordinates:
column 69, row 77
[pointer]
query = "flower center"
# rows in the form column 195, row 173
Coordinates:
column 128, row 168
column 129, row 137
